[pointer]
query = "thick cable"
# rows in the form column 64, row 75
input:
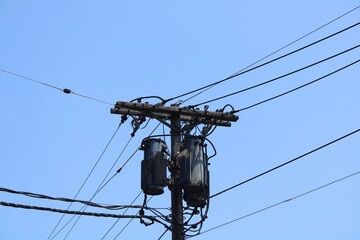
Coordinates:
column 295, row 89
column 266, row 63
column 286, row 163
column 279, row 203
column 93, row 214
column 277, row 78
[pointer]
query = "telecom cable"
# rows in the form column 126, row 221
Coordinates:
column 279, row 203
column 86, row 179
column 286, row 163
column 295, row 89
column 277, row 78
column 64, row 90
column 263, row 64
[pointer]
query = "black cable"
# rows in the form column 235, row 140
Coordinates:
column 122, row 230
column 286, row 163
column 64, row 90
column 88, row 203
column 297, row 88
column 163, row 234
column 86, row 179
column 266, row 63
column 122, row 213
column 102, row 185
column 277, row 78
column 93, row 214
column 279, row 203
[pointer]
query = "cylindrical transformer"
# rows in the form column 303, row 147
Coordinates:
column 194, row 174
column 153, row 167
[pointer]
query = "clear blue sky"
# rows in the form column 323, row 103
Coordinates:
column 120, row 50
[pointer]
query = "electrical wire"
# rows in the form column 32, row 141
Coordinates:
column 88, row 203
column 123, row 229
column 122, row 213
column 297, row 88
column 279, row 203
column 64, row 90
column 277, row 78
column 286, row 163
column 263, row 64
column 87, row 177
column 163, row 234
column 93, row 214
column 102, row 185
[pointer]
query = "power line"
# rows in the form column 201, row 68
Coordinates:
column 286, row 163
column 123, row 229
column 64, row 90
column 277, row 78
column 88, row 203
column 93, row 214
column 266, row 63
column 279, row 203
column 119, row 219
column 287, row 45
column 87, row 177
column 297, row 88
column 103, row 183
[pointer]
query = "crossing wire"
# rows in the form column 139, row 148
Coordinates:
column 87, row 177
column 295, row 89
column 264, row 64
column 64, row 90
column 286, row 163
column 277, row 78
column 102, row 185
column 279, row 203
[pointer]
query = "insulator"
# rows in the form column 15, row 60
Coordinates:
column 153, row 167
column 194, row 174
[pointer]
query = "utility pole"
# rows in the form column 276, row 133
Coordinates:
column 176, row 115
column 176, row 191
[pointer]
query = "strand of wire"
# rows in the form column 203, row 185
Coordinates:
column 163, row 234
column 102, row 185
column 276, row 51
column 286, row 163
column 91, row 204
column 87, row 177
column 123, row 229
column 64, row 90
column 122, row 213
column 277, row 78
column 264, row 64
column 93, row 214
column 297, row 88
column 279, row 203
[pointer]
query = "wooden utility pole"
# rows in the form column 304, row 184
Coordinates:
column 176, row 115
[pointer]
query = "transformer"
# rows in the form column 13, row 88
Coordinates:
column 153, row 167
column 194, row 174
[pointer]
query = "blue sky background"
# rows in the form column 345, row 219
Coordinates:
column 120, row 50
